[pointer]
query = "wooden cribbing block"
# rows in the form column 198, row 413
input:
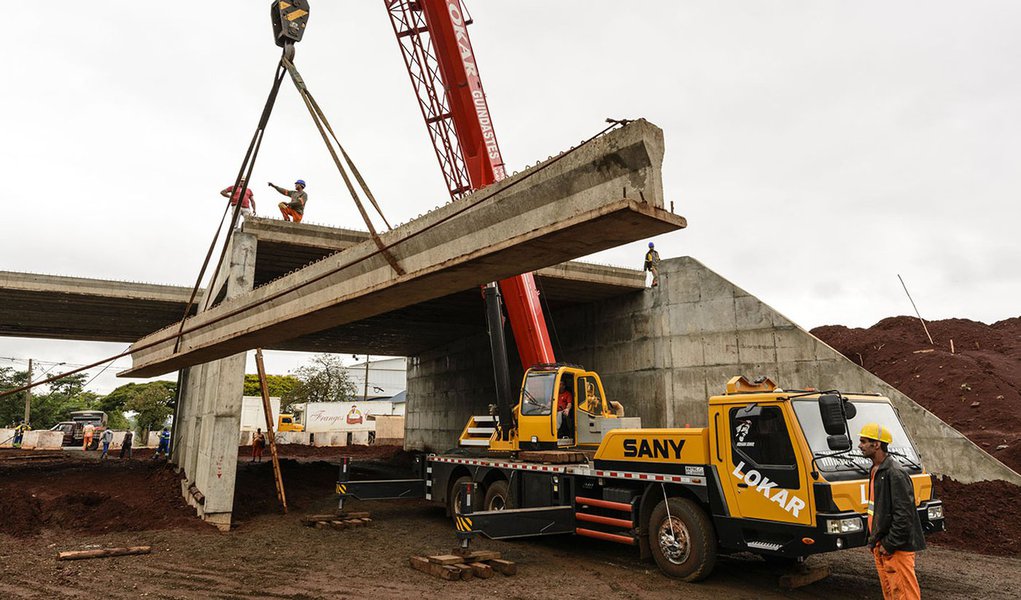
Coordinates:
column 338, row 525
column 480, row 556
column 466, row 571
column 446, row 559
column 803, row 576
column 104, row 553
column 446, row 572
column 481, row 570
column 355, row 515
column 354, row 522
column 504, row 566
column 319, row 524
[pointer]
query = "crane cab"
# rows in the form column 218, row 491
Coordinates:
column 564, row 406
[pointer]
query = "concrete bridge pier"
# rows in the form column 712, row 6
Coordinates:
column 209, row 417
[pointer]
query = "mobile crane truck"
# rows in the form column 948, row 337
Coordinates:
column 773, row 473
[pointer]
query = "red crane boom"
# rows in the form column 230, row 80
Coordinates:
column 433, row 36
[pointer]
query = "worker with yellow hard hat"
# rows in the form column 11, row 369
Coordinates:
column 895, row 530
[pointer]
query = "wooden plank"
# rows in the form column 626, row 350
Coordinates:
column 354, row 522
column 466, row 571
column 338, row 524
column 481, row 570
column 803, row 576
column 505, row 567
column 552, row 456
column 355, row 515
column 446, row 559
column 479, row 556
column 422, row 563
column 104, row 553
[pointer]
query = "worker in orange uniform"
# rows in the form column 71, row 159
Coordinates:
column 258, row 443
column 295, row 209
column 88, row 433
column 895, row 530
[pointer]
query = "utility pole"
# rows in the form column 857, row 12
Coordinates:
column 28, row 394
column 365, row 397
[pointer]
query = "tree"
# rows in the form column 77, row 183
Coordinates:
column 278, row 385
column 12, row 408
column 324, row 379
column 153, row 405
column 114, row 403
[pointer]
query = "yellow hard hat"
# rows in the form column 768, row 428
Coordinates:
column 875, row 431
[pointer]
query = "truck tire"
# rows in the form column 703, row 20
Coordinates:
column 684, row 545
column 454, row 498
column 497, row 496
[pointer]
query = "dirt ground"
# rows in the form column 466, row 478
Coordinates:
column 75, row 502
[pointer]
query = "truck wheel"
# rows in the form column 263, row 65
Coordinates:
column 454, row 499
column 497, row 496
column 684, row 545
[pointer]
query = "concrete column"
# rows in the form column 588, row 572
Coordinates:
column 212, row 404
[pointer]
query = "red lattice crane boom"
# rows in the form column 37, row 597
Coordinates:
column 433, row 36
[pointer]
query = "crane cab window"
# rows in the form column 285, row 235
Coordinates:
column 589, row 398
column 760, row 439
column 537, row 394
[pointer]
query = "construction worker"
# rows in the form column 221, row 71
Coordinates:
column 247, row 201
column 88, row 433
column 652, row 263
column 106, row 439
column 126, row 444
column 295, row 209
column 565, row 407
column 19, row 432
column 163, row 450
column 258, row 443
column 895, row 530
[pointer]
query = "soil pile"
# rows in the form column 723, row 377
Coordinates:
column 981, row 517
column 91, row 497
column 975, row 386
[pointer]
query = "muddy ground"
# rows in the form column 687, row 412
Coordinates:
column 75, row 502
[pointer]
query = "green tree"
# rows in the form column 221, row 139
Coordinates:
column 324, row 379
column 12, row 408
column 152, row 406
column 278, row 385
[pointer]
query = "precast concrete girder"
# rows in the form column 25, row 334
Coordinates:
column 600, row 195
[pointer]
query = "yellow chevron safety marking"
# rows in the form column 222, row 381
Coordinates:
column 460, row 524
column 296, row 14
column 284, row 5
column 341, row 489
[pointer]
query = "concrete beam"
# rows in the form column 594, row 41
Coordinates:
column 598, row 196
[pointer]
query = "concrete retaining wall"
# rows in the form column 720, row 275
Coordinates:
column 6, row 438
column 663, row 352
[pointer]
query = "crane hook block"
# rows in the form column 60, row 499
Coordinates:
column 289, row 20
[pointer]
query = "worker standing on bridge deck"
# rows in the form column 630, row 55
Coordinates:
column 895, row 531
column 295, row 209
column 247, row 199
column 652, row 263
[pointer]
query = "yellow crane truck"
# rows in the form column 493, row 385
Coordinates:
column 775, row 472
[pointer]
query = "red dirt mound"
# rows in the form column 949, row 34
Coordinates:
column 976, row 388
column 92, row 497
column 981, row 517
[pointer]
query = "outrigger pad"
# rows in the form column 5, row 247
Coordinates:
column 388, row 489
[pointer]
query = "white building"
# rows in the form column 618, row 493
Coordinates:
column 386, row 378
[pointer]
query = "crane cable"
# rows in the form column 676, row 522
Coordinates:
column 323, row 125
column 244, row 173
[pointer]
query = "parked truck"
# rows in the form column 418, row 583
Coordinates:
column 774, row 473
column 74, row 430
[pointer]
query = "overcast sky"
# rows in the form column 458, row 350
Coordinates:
column 816, row 148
